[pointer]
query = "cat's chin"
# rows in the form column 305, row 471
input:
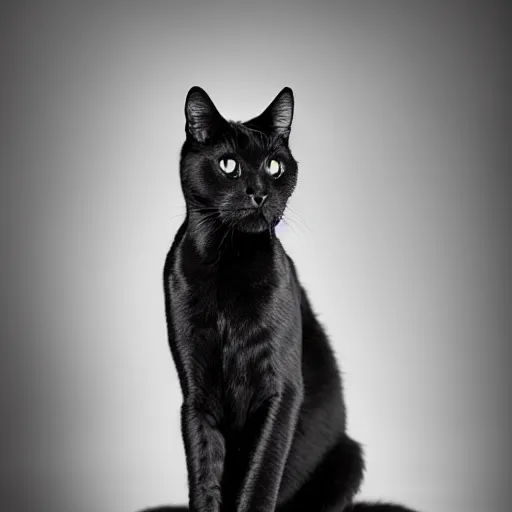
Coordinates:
column 253, row 225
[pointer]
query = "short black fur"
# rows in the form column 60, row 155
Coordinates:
column 263, row 415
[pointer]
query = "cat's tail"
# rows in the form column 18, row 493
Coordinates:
column 377, row 507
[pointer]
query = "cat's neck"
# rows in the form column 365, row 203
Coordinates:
column 214, row 241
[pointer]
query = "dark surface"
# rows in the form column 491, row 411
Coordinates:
column 356, row 507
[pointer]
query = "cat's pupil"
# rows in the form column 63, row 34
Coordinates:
column 274, row 167
column 228, row 165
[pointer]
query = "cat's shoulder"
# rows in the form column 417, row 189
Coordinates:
column 173, row 250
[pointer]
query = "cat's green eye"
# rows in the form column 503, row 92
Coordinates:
column 274, row 168
column 229, row 166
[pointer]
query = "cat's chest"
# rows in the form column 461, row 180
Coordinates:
column 245, row 343
column 237, row 290
column 242, row 324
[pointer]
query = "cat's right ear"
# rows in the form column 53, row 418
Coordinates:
column 277, row 117
column 202, row 117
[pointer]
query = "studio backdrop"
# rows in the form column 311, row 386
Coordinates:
column 399, row 231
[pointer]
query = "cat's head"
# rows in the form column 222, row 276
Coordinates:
column 240, row 173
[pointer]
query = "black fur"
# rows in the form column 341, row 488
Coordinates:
column 263, row 416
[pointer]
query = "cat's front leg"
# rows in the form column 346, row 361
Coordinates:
column 205, row 451
column 271, row 429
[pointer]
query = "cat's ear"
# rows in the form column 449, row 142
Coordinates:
column 202, row 117
column 277, row 117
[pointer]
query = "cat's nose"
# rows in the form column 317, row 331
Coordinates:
column 257, row 198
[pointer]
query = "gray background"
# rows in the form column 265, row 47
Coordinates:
column 403, row 243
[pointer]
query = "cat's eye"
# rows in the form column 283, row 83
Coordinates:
column 229, row 166
column 274, row 168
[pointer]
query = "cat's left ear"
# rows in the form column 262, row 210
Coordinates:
column 277, row 117
column 203, row 118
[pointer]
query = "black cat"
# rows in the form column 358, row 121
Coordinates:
column 263, row 416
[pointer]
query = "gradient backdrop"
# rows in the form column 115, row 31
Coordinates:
column 402, row 239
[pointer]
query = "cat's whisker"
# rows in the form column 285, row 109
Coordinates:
column 298, row 218
column 296, row 213
column 290, row 225
column 207, row 217
column 178, row 215
column 220, row 250
column 201, row 210
column 303, row 228
column 297, row 226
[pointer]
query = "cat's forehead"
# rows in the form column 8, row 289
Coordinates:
column 251, row 143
